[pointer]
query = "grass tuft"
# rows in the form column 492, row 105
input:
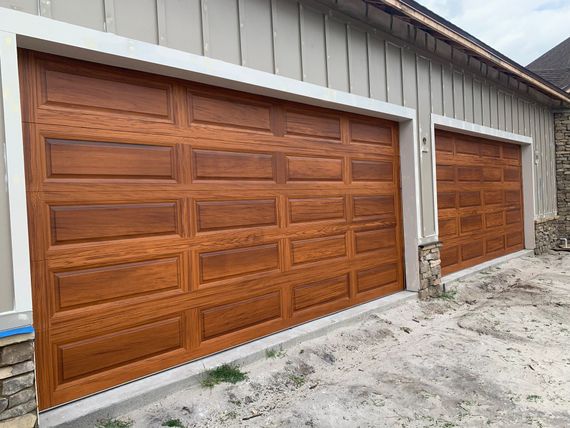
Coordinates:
column 448, row 295
column 274, row 353
column 114, row 423
column 533, row 397
column 174, row 423
column 229, row 373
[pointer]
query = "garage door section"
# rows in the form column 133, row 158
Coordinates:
column 479, row 194
column 170, row 220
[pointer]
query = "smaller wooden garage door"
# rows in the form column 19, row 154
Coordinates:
column 479, row 194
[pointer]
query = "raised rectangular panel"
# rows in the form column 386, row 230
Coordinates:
column 309, row 124
column 84, row 357
column 512, row 174
column 82, row 287
column 514, row 238
column 370, row 132
column 448, row 227
column 224, row 319
column 95, row 159
column 490, row 150
column 493, row 197
column 315, row 249
column 376, row 277
column 316, row 209
column 445, row 173
column 372, row 240
column 495, row 244
column 512, row 197
column 471, row 223
column 449, row 255
column 469, row 199
column 494, row 219
column 302, row 168
column 446, row 200
column 319, row 292
column 466, row 147
column 83, row 223
column 471, row 250
column 218, row 215
column 444, row 143
column 222, row 165
column 370, row 207
column 466, row 173
column 372, row 170
column 513, row 216
column 118, row 96
column 230, row 112
column 491, row 174
column 223, row 264
column 511, row 151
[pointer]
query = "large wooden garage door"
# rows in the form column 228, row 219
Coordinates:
column 479, row 194
column 171, row 220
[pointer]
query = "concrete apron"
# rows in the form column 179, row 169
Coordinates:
column 122, row 399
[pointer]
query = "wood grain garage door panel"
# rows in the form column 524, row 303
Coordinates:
column 82, row 287
column 92, row 159
column 170, row 220
column 479, row 200
column 83, row 223
column 82, row 358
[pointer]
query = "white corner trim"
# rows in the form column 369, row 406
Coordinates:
column 15, row 173
column 463, row 127
column 527, row 153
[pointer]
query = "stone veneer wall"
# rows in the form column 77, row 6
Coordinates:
column 430, row 270
column 562, row 141
column 18, row 408
column 546, row 235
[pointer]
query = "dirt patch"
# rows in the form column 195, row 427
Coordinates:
column 495, row 353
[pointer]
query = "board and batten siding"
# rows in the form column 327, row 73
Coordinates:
column 340, row 44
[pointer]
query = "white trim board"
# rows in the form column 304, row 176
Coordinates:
column 526, row 143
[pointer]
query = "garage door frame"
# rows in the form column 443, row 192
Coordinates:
column 457, row 126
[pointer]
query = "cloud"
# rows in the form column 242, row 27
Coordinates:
column 520, row 29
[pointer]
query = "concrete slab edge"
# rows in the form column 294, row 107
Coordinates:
column 133, row 395
column 456, row 276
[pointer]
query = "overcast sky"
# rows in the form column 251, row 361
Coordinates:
column 521, row 29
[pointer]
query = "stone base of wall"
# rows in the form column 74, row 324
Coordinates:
column 562, row 142
column 430, row 270
column 18, row 407
column 546, row 235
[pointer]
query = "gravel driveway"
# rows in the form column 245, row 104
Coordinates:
column 495, row 352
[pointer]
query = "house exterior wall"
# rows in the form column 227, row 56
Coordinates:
column 339, row 44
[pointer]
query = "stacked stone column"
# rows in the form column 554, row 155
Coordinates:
column 18, row 408
column 562, row 141
column 430, row 270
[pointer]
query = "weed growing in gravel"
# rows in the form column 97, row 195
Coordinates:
column 448, row 295
column 533, row 397
column 174, row 423
column 114, row 423
column 229, row 373
column 297, row 380
column 274, row 353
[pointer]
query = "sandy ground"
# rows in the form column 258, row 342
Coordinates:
column 497, row 353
